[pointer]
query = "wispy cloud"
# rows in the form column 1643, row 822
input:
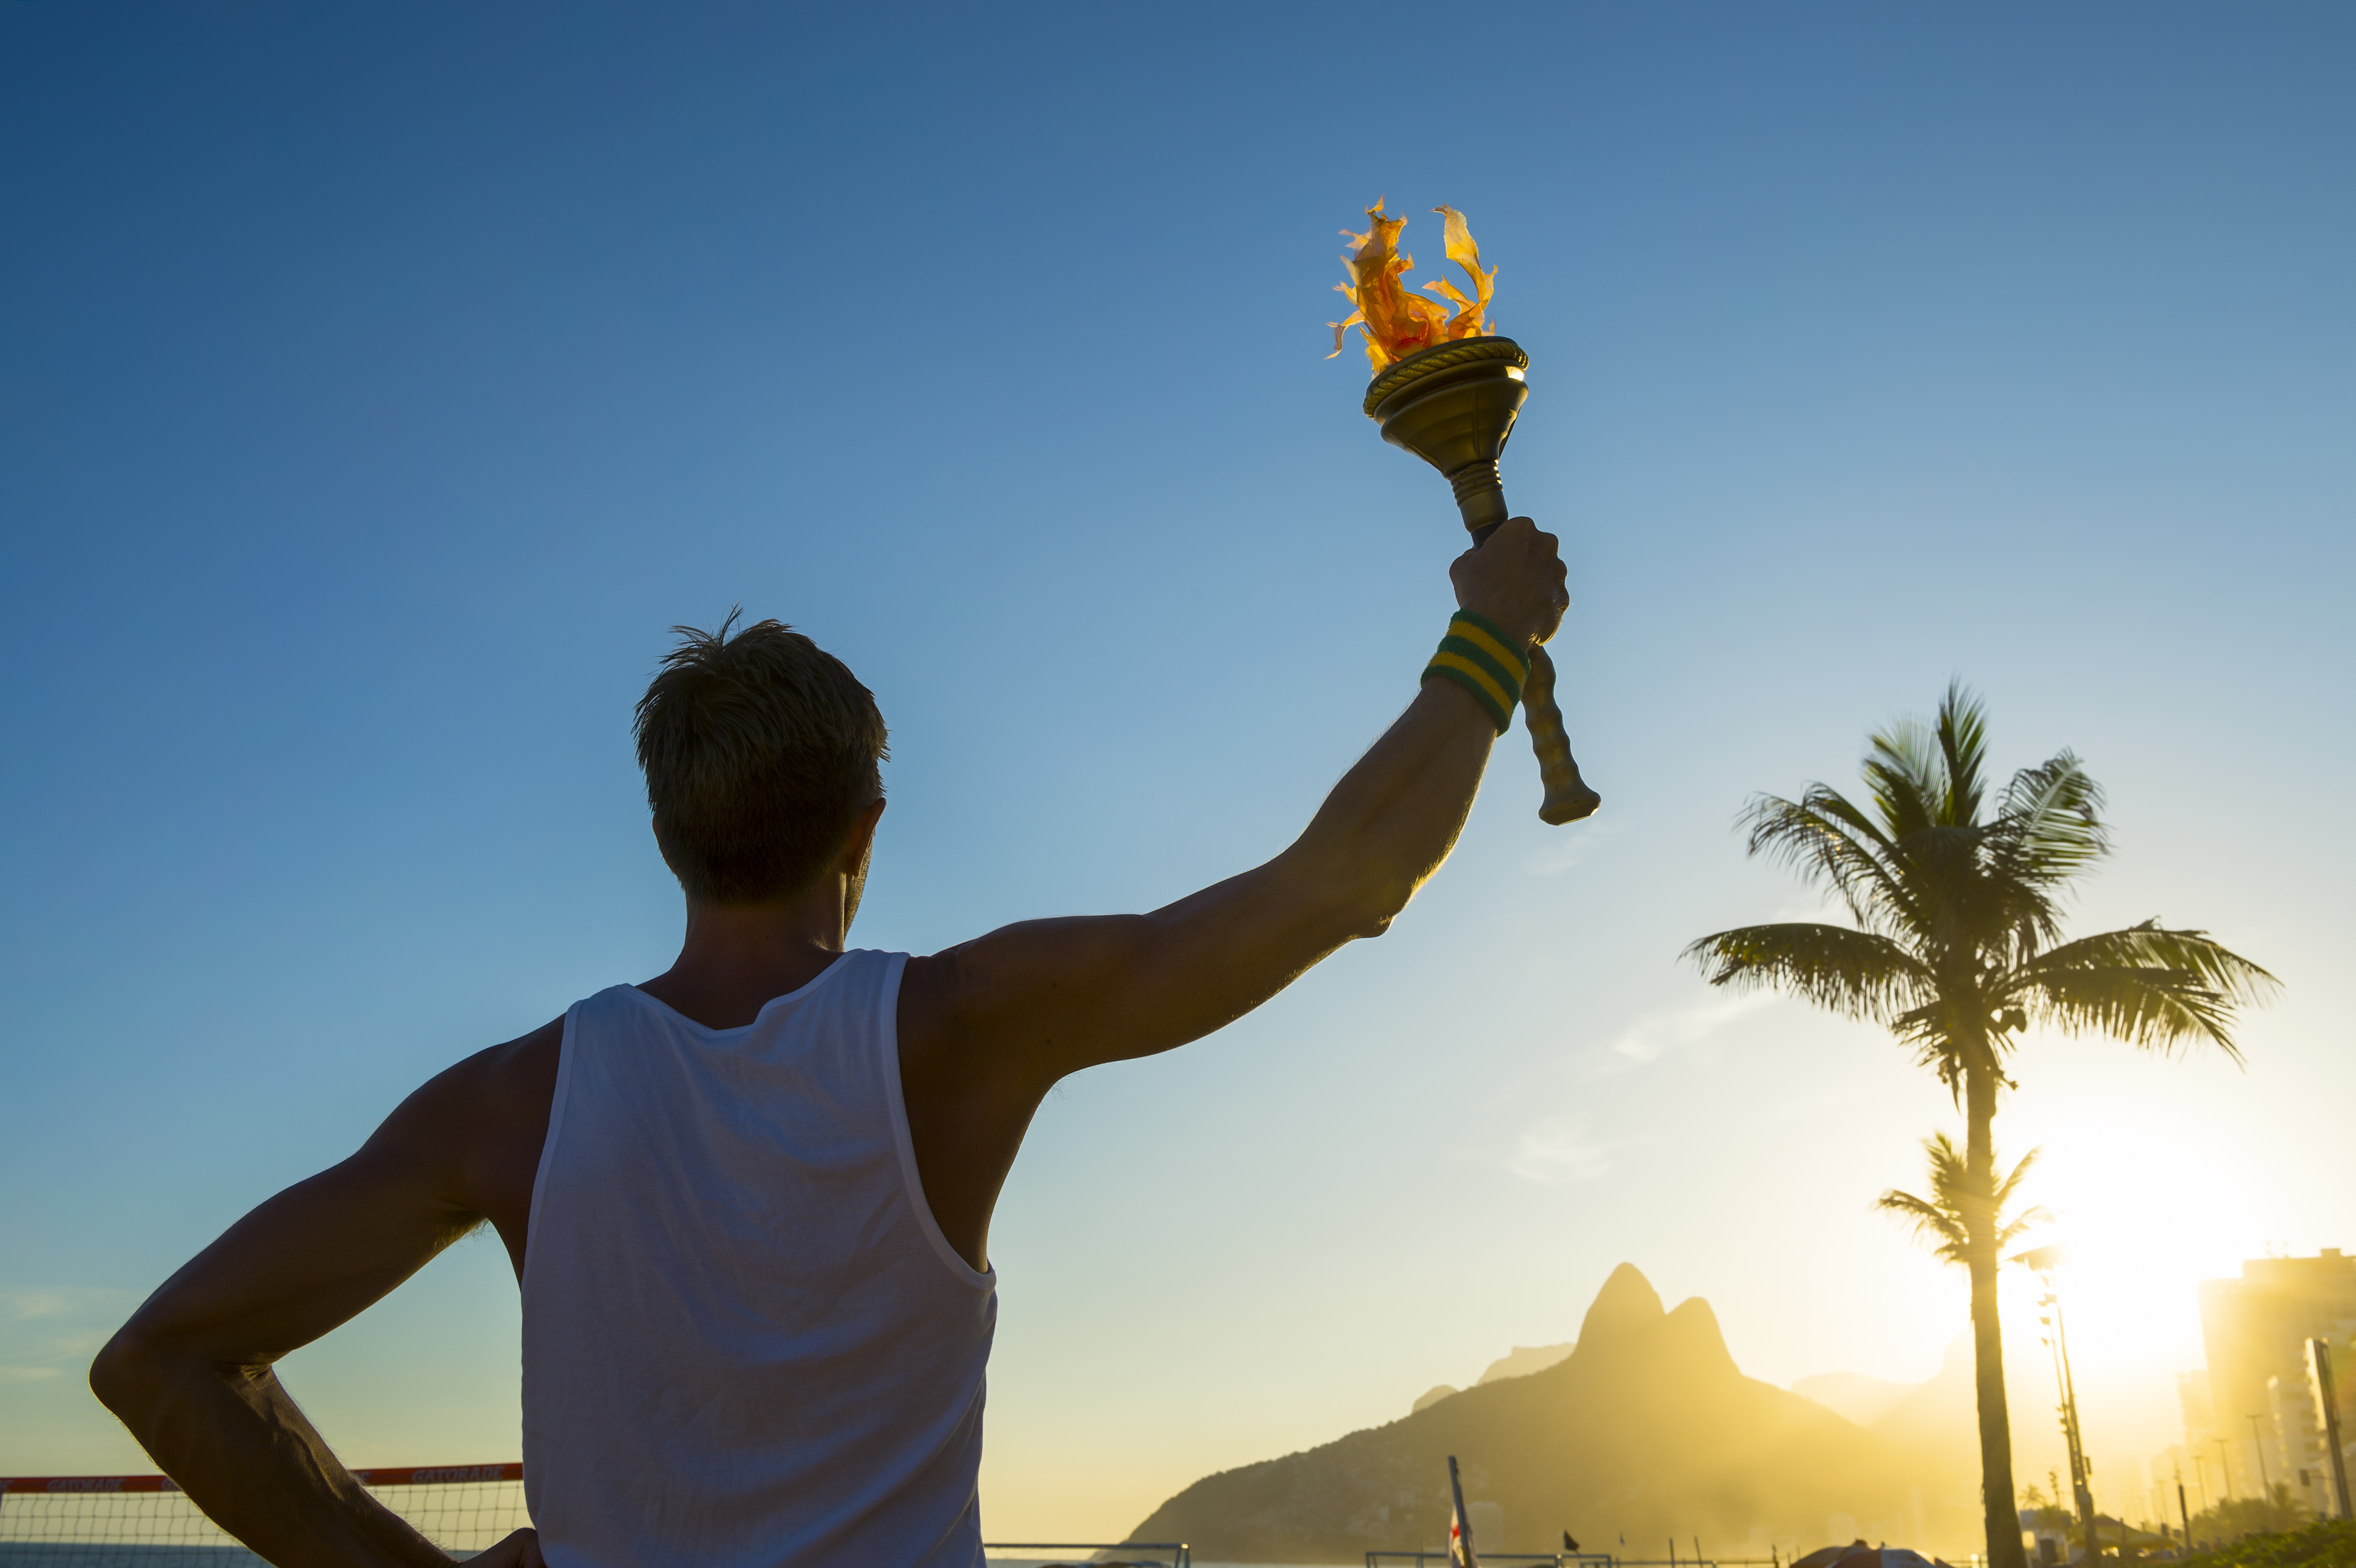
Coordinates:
column 23, row 1304
column 46, row 1332
column 1555, row 1151
column 1570, row 845
column 16, row 1307
column 1670, row 1027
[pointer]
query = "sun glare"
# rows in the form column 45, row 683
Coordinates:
column 2139, row 1226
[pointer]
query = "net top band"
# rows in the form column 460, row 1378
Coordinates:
column 404, row 1476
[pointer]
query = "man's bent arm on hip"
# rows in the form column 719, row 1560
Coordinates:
column 986, row 1028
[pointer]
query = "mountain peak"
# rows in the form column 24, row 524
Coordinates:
column 1626, row 1304
column 1693, row 1329
column 1648, row 1428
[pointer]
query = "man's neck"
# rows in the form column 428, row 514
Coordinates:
column 737, row 957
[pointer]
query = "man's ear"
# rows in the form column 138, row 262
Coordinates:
column 863, row 835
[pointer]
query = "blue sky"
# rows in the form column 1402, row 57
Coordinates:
column 377, row 385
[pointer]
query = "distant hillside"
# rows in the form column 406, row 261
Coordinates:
column 1861, row 1399
column 1646, row 1429
column 1518, row 1362
column 1525, row 1359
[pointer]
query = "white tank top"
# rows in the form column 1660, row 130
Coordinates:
column 746, row 1342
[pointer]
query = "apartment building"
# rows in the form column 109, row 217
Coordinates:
column 2254, row 1331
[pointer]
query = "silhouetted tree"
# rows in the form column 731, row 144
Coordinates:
column 1958, row 949
column 2231, row 1518
column 1944, row 1219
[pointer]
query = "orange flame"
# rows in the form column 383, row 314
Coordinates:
column 1397, row 323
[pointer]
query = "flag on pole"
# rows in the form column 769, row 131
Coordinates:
column 1460, row 1523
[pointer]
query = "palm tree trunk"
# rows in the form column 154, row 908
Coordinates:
column 2003, row 1518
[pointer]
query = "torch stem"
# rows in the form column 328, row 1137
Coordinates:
column 1567, row 798
column 1480, row 497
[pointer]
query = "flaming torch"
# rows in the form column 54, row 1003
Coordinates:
column 1448, row 390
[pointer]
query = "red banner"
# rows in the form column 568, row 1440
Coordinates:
column 409, row 1475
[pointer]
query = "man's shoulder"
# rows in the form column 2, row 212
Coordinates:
column 500, row 1095
column 939, row 991
column 922, row 1005
column 1021, row 963
column 475, row 1131
column 524, row 1066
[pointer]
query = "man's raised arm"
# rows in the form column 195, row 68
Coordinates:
column 987, row 1027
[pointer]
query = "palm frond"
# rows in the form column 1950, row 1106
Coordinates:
column 2148, row 944
column 2145, row 1008
column 1944, row 874
column 1942, row 1231
column 1931, row 775
column 2007, row 1188
column 2020, row 1225
column 1907, row 773
column 1950, row 1035
column 1944, row 1219
column 1963, row 743
column 2049, row 826
column 2146, row 984
column 1859, row 974
column 1931, row 1027
column 1824, row 837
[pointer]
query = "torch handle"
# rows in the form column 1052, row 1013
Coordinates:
column 1567, row 798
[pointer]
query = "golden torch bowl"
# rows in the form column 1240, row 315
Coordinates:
column 1454, row 405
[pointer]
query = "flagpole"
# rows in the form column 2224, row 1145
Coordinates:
column 1460, row 1523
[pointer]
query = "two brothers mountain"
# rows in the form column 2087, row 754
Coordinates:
column 1646, row 1430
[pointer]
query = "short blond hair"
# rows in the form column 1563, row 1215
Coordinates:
column 760, row 751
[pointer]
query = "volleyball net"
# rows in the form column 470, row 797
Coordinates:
column 146, row 1521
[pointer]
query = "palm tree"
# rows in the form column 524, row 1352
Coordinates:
column 1956, row 948
column 1944, row 1219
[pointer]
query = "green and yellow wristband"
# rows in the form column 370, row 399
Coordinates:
column 1481, row 659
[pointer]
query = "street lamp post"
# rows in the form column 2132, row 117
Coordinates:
column 2326, row 1396
column 2265, row 1486
column 2042, row 1262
